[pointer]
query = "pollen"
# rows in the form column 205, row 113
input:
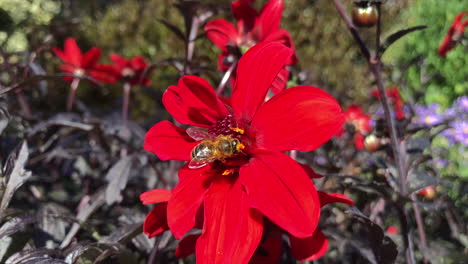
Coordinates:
column 227, row 126
column 227, row 172
column 240, row 147
column 238, row 130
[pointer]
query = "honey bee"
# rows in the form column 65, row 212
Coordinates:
column 212, row 148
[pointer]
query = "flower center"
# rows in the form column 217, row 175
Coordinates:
column 79, row 72
column 228, row 127
column 429, row 120
column 230, row 130
column 128, row 72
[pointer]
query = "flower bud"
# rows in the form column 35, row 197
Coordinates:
column 364, row 14
column 372, row 143
column 429, row 192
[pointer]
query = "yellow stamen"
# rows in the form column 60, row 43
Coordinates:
column 227, row 172
column 238, row 130
column 240, row 147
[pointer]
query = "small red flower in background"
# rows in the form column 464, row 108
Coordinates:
column 392, row 230
column 252, row 28
column 454, row 34
column 81, row 64
column 230, row 197
column 429, row 192
column 398, row 104
column 130, row 70
column 361, row 123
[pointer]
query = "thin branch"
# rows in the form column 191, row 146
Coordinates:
column 191, row 44
column 71, row 95
column 227, row 75
column 352, row 28
column 420, row 224
column 126, row 96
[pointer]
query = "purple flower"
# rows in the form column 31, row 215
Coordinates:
column 450, row 113
column 427, row 116
column 379, row 112
column 461, row 104
column 461, row 132
column 458, row 133
column 440, row 163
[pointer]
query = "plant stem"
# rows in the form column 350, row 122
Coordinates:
column 191, row 44
column 72, row 93
column 420, row 224
column 403, row 216
column 378, row 30
column 127, row 88
column 225, row 79
column 362, row 45
column 23, row 104
column 293, row 154
column 375, row 66
column 398, row 148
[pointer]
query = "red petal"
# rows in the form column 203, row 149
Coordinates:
column 358, row 141
column 221, row 33
column 103, row 72
column 269, row 251
column 280, row 82
column 103, row 77
column 156, row 221
column 67, row 68
column 257, row 69
column 91, row 57
column 245, row 15
column 62, row 55
column 310, row 248
column 280, row 189
column 194, row 102
column 117, row 59
column 169, row 142
column 138, row 63
column 155, row 196
column 186, row 198
column 301, row 118
column 73, row 52
column 232, row 231
column 310, row 172
column 186, row 246
column 392, row 230
column 270, row 16
column 326, row 198
column 446, row 46
column 282, row 36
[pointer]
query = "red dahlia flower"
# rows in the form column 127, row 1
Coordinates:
column 81, row 64
column 454, row 34
column 130, row 70
column 398, row 104
column 252, row 28
column 234, row 193
column 392, row 230
column 361, row 123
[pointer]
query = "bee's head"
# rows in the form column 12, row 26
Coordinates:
column 237, row 145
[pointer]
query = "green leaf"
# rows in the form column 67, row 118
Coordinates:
column 397, row 35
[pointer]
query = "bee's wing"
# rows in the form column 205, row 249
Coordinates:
column 198, row 133
column 196, row 164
